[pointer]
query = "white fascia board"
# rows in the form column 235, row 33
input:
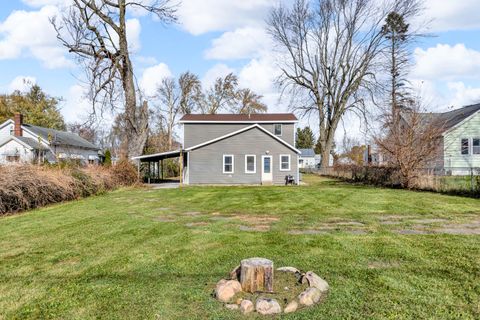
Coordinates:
column 240, row 131
column 9, row 121
column 267, row 121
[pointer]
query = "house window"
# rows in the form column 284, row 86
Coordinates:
column 15, row 158
column 465, row 146
column 476, row 146
column 284, row 162
column 278, row 129
column 250, row 163
column 227, row 163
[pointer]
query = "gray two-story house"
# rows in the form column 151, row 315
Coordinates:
column 236, row 149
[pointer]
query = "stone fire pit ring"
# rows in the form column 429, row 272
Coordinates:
column 255, row 286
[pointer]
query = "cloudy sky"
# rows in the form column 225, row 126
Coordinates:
column 215, row 37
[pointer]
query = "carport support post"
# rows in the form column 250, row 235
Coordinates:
column 162, row 168
column 181, row 167
column 138, row 168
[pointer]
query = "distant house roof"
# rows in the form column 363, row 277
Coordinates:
column 27, row 142
column 307, row 153
column 60, row 138
column 451, row 118
column 244, row 118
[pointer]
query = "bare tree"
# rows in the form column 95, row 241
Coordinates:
column 221, row 96
column 249, row 102
column 176, row 99
column 332, row 50
column 412, row 143
column 96, row 32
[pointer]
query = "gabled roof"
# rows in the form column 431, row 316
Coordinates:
column 241, row 118
column 27, row 142
column 307, row 152
column 60, row 138
column 452, row 118
column 240, row 131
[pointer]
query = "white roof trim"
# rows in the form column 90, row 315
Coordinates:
column 237, row 121
column 157, row 154
column 460, row 123
column 240, row 131
column 10, row 138
column 9, row 121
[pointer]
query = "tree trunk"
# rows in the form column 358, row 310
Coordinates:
column 136, row 125
column 256, row 275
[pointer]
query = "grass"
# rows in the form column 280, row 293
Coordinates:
column 157, row 254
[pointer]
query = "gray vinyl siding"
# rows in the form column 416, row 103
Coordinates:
column 206, row 163
column 197, row 133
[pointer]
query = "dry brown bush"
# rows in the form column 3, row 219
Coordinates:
column 24, row 187
column 124, row 173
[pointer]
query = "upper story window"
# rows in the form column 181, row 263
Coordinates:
column 465, row 146
column 278, row 129
column 228, row 163
column 476, row 146
column 284, row 162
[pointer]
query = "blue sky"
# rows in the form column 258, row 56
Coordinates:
column 215, row 37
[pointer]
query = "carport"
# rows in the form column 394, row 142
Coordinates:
column 152, row 165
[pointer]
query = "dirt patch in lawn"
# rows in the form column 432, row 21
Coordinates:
column 165, row 219
column 191, row 213
column 326, row 231
column 412, row 231
column 257, row 228
column 428, row 221
column 255, row 219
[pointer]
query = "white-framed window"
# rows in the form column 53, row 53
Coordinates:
column 465, row 146
column 284, row 162
column 250, row 163
column 476, row 146
column 277, row 129
column 228, row 163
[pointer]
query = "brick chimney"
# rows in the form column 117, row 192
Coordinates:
column 18, row 119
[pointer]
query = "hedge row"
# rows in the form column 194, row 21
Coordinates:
column 25, row 187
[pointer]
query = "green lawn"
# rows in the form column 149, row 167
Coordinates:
column 157, row 254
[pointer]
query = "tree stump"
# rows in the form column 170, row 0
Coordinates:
column 256, row 275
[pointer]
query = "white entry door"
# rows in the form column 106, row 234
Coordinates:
column 267, row 175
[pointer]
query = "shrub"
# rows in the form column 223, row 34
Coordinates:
column 24, row 187
column 124, row 173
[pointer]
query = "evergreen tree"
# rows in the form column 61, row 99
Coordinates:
column 108, row 158
column 305, row 138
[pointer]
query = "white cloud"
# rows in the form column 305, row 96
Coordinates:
column 22, row 83
column 152, row 77
column 242, row 43
column 217, row 71
column 463, row 94
column 453, row 15
column 30, row 33
column 41, row 3
column 76, row 104
column 446, row 62
column 199, row 17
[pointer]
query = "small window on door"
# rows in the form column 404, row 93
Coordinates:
column 250, row 163
column 284, row 162
column 278, row 129
column 465, row 148
column 227, row 163
column 476, row 146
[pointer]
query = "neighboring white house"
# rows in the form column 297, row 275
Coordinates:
column 307, row 159
column 459, row 145
column 25, row 143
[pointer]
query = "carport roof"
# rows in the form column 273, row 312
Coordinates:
column 159, row 156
